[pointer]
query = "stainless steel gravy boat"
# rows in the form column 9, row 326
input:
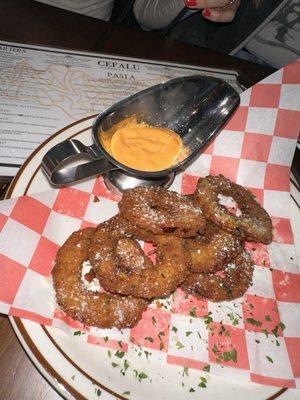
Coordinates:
column 195, row 107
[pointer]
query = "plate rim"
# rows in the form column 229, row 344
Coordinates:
column 28, row 345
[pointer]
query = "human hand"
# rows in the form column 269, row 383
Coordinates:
column 215, row 10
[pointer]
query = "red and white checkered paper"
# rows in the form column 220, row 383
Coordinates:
column 255, row 149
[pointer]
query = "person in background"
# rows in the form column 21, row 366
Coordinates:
column 158, row 14
column 265, row 31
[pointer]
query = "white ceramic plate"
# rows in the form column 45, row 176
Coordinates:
column 78, row 370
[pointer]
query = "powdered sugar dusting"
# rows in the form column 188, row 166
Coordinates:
column 94, row 285
column 230, row 204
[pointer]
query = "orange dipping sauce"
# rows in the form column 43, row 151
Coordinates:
column 143, row 147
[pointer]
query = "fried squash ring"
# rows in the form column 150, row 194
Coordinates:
column 91, row 308
column 118, row 225
column 237, row 278
column 122, row 267
column 211, row 250
column 254, row 223
column 162, row 211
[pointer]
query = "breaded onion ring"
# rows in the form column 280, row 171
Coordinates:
column 237, row 278
column 162, row 211
column 254, row 223
column 91, row 308
column 212, row 249
column 122, row 267
column 118, row 225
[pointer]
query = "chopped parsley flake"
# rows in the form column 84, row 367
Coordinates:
column 281, row 325
column 233, row 319
column 147, row 353
column 174, row 329
column 150, row 339
column 119, row 354
column 114, row 365
column 105, row 338
column 265, row 332
column 269, row 359
column 188, row 333
column 275, row 331
column 185, row 371
column 253, row 321
column 203, row 382
column 142, row 375
column 207, row 318
column 98, row 392
column 230, row 355
column 153, row 320
column 215, row 349
column 231, row 316
column 78, row 333
column 193, row 312
column 191, row 390
column 267, row 318
column 206, row 368
column 109, row 353
column 127, row 393
column 179, row 345
column 126, row 365
column 227, row 334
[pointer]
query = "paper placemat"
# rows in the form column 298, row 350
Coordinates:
column 255, row 338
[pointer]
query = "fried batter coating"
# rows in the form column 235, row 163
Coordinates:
column 237, row 278
column 162, row 211
column 212, row 249
column 122, row 267
column 118, row 225
column 254, row 223
column 91, row 308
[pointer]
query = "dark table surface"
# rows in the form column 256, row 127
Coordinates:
column 31, row 22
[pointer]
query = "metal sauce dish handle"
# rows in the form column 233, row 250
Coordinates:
column 55, row 161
